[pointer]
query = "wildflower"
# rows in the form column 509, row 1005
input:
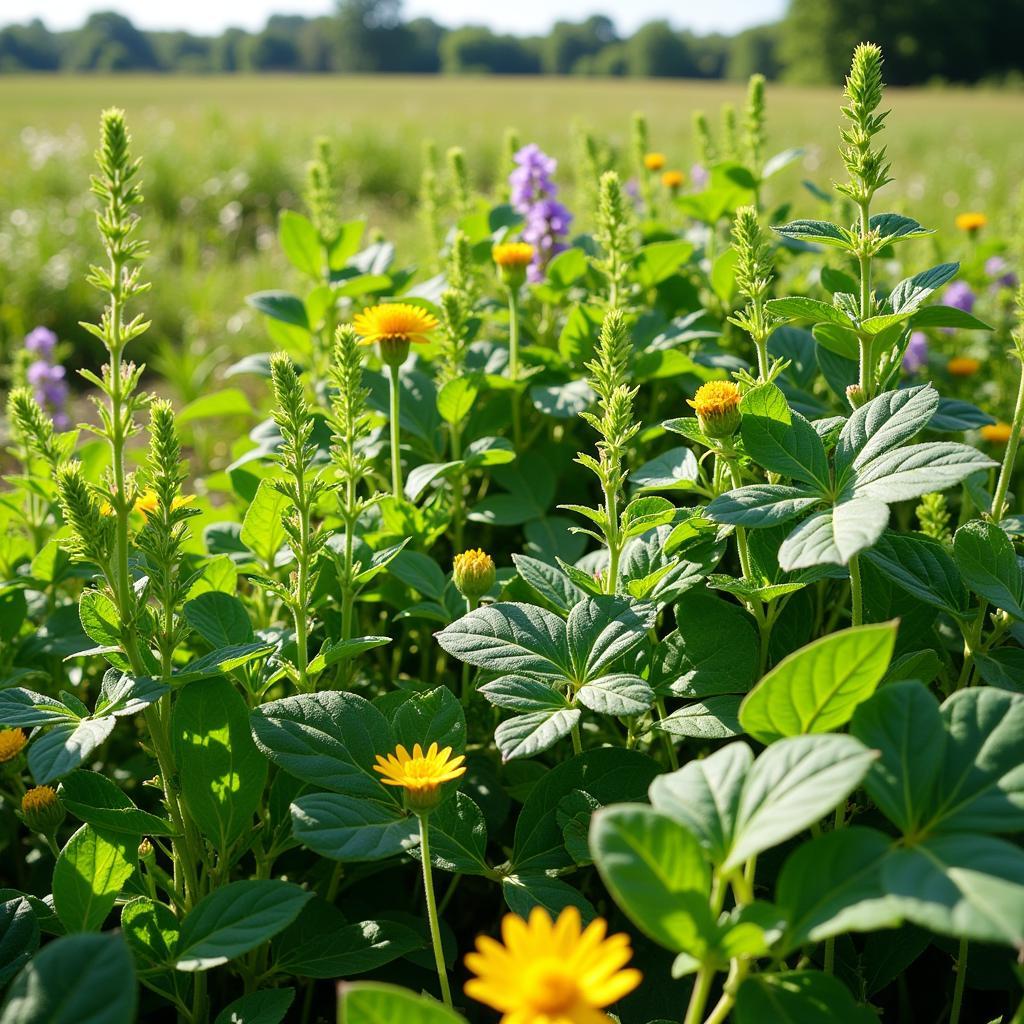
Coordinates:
column 1000, row 272
column 533, row 195
column 717, row 404
column 394, row 321
column 673, row 180
column 971, row 222
column 654, row 161
column 996, row 433
column 41, row 342
column 959, row 295
column 699, row 177
column 474, row 573
column 42, row 810
column 148, row 502
column 46, row 377
column 146, row 852
column 551, row 972
column 420, row 774
column 916, row 355
column 512, row 259
column 12, row 742
column 963, row 366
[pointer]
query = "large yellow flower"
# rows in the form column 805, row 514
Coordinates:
column 551, row 972
column 512, row 254
column 394, row 321
column 420, row 774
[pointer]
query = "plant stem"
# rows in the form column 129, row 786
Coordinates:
column 998, row 509
column 961, row 980
column 435, row 931
column 867, row 366
column 699, row 996
column 470, row 605
column 856, row 593
column 396, row 449
column 670, row 747
column 577, row 741
column 513, row 363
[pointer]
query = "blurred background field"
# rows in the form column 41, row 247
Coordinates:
column 223, row 154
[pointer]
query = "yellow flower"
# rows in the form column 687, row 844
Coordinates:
column 717, row 406
column 512, row 254
column 149, row 502
column 997, row 433
column 673, row 179
column 551, row 972
column 420, row 774
column 971, row 221
column 42, row 810
column 654, row 161
column 963, row 366
column 394, row 321
column 473, row 572
column 12, row 742
column 38, row 798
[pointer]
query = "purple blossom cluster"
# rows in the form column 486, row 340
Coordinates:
column 959, row 295
column 533, row 196
column 46, row 376
column 1000, row 272
column 916, row 355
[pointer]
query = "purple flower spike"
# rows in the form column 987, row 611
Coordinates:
column 960, row 296
column 1000, row 271
column 41, row 341
column 699, row 177
column 916, row 355
column 533, row 195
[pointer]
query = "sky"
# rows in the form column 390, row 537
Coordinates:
column 520, row 16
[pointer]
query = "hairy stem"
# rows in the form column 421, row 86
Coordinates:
column 435, row 930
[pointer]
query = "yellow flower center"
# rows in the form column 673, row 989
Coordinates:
column 654, row 161
column 512, row 254
column 12, row 742
column 419, row 772
column 549, row 988
column 39, row 798
column 394, row 321
column 715, row 398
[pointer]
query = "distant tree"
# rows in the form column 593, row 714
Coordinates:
column 477, row 50
column 656, row 51
column 30, row 47
column 110, row 42
column 569, row 42
column 755, row 50
column 316, row 45
column 709, row 54
column 370, row 35
column 423, row 50
column 182, row 51
column 273, row 49
column 230, row 51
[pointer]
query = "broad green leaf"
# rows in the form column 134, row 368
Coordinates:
column 781, row 440
column 266, row 1007
column 912, row 291
column 549, row 582
column 918, row 469
column 657, row 261
column 814, row 310
column 798, row 997
column 674, row 470
column 528, row 889
column 433, row 716
column 533, row 733
column 794, row 783
column 458, row 838
column 895, row 227
column 655, row 869
column 234, row 919
column 21, row 708
column 93, row 798
column 65, row 746
column 352, row 828
column 262, row 531
column 220, row 619
column 78, row 979
column 948, row 316
column 713, row 718
column 819, row 231
column 817, row 688
column 279, row 305
column 374, row 1003
column 19, row 936
column 456, row 398
column 300, row 243
column 759, row 505
column 922, row 567
column 222, row 772
column 89, row 873
column 621, row 695
column 600, row 630
column 988, row 563
column 523, row 694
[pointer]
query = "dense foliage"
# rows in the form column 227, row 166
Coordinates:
column 481, row 639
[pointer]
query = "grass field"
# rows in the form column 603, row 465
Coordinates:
column 223, row 154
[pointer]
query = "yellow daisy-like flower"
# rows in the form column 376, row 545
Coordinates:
column 717, row 405
column 420, row 774
column 963, row 366
column 996, row 433
column 673, row 179
column 12, row 743
column 473, row 572
column 512, row 254
column 551, row 972
column 394, row 321
column 655, row 161
column 39, row 798
column 148, row 502
column 971, row 221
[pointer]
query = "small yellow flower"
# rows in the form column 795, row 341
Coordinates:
column 963, row 366
column 420, row 774
column 673, row 179
column 717, row 406
column 148, row 502
column 394, row 321
column 39, row 799
column 654, row 161
column 473, row 572
column 512, row 254
column 106, row 509
column 971, row 221
column 12, row 743
column 551, row 972
column 996, row 433
column 42, row 810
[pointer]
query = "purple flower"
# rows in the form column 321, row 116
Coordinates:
column 41, row 341
column 699, row 177
column 959, row 296
column 533, row 195
column 916, row 355
column 999, row 270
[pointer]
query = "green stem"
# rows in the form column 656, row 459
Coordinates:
column 396, row 450
column 513, row 363
column 435, row 931
column 961, row 980
column 998, row 509
column 577, row 741
column 670, row 747
column 699, row 996
column 761, row 344
column 465, row 691
column 856, row 593
column 867, row 366
column 737, row 972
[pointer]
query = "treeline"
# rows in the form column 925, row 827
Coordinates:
column 368, row 36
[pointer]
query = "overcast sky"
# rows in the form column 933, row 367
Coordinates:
column 520, row 16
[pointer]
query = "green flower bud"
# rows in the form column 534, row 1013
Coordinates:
column 856, row 396
column 146, row 852
column 474, row 573
column 42, row 810
column 717, row 405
